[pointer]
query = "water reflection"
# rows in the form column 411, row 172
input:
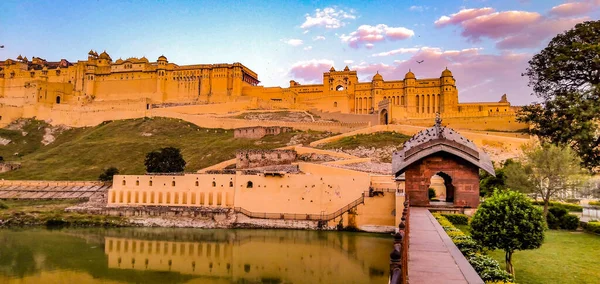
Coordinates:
column 194, row 256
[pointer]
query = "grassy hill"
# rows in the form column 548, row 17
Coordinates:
column 83, row 153
column 377, row 140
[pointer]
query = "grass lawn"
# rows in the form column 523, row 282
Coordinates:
column 83, row 153
column 565, row 257
column 377, row 140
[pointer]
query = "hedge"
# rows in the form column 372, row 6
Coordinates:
column 569, row 207
column 596, row 203
column 488, row 268
column 457, row 219
column 592, row 227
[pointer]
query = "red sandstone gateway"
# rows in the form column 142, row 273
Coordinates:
column 442, row 151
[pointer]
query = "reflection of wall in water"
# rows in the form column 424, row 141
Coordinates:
column 294, row 257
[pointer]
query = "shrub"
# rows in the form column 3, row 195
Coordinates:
column 569, row 207
column 431, row 193
column 467, row 246
column 457, row 219
column 572, row 200
column 569, row 222
column 552, row 222
column 3, row 205
column 592, row 227
column 595, row 203
column 488, row 268
column 558, row 212
column 107, row 175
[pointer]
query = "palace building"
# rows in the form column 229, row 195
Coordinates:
column 74, row 90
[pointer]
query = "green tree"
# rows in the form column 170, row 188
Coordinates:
column 107, row 175
column 545, row 170
column 489, row 183
column 566, row 76
column 508, row 221
column 165, row 160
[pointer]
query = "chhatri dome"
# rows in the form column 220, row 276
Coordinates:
column 162, row 57
column 104, row 55
column 446, row 73
column 410, row 75
column 377, row 77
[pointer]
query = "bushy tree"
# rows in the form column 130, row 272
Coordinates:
column 165, row 160
column 107, row 175
column 546, row 170
column 488, row 183
column 566, row 76
column 508, row 221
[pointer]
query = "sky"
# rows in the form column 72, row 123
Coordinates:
column 486, row 44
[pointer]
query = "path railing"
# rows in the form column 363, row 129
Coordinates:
column 311, row 217
column 399, row 255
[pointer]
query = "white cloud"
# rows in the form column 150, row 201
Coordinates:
column 397, row 51
column 319, row 37
column 293, row 41
column 330, row 18
column 367, row 34
column 369, row 45
column 348, row 61
column 308, row 48
column 305, row 32
column 418, row 8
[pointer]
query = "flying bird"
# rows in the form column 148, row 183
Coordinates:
column 1, row 46
column 420, row 61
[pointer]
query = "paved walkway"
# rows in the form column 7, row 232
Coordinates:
column 433, row 258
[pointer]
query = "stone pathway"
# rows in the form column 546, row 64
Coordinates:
column 433, row 258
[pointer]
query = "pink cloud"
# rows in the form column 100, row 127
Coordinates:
column 498, row 24
column 310, row 70
column 538, row 34
column 480, row 77
column 461, row 16
column 574, row 8
column 511, row 29
column 367, row 34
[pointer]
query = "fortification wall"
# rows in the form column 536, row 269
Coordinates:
column 231, row 123
column 259, row 158
column 492, row 123
column 9, row 114
column 221, row 108
column 347, row 117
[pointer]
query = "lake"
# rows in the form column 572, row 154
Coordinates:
column 167, row 255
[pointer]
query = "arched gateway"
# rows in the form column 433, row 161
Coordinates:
column 444, row 152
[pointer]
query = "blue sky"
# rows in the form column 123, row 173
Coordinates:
column 485, row 43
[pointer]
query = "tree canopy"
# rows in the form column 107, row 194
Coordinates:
column 545, row 170
column 107, row 175
column 165, row 160
column 508, row 221
column 566, row 76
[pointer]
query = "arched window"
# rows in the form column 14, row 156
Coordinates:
column 150, row 183
column 214, row 184
column 57, row 99
column 231, row 184
column 339, row 88
column 334, row 104
column 173, row 183
column 137, row 182
column 124, row 182
column 249, row 184
column 197, row 183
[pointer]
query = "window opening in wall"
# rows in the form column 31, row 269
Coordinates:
column 202, row 198
column 137, row 182
column 219, row 198
column 123, row 182
column 121, row 197
column 193, row 198
column 160, row 197
column 176, row 198
column 334, row 104
column 231, row 184
column 249, row 184
column 197, row 184
column 144, row 198
column 214, row 184
column 168, row 198
column 152, row 197
column 137, row 197
column 150, row 183
column 173, row 183
column 210, row 198
column 128, row 197
column 113, row 197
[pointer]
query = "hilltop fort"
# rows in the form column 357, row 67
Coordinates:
column 87, row 92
